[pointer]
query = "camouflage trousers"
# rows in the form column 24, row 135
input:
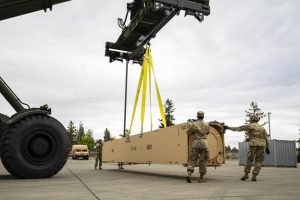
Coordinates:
column 202, row 155
column 257, row 153
column 98, row 159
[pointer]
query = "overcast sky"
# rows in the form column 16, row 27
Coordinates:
column 244, row 51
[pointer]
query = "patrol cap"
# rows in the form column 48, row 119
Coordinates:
column 254, row 118
column 200, row 114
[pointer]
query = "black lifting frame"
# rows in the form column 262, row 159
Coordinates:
column 147, row 18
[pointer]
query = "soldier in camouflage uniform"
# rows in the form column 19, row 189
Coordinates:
column 258, row 144
column 98, row 157
column 199, row 131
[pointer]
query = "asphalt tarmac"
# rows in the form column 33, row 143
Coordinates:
column 79, row 181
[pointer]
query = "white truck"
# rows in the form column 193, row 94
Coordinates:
column 80, row 151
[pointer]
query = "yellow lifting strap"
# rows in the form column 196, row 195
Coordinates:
column 145, row 76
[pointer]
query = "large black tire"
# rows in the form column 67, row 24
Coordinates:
column 35, row 147
column 3, row 118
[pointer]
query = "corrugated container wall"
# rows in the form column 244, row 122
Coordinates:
column 283, row 153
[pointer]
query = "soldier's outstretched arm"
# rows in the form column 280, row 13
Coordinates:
column 239, row 128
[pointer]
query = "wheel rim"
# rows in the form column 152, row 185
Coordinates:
column 39, row 147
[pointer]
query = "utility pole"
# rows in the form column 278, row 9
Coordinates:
column 269, row 122
column 125, row 103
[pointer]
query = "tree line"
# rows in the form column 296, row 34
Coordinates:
column 79, row 136
column 228, row 149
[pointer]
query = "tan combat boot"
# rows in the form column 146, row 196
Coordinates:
column 254, row 177
column 201, row 179
column 188, row 177
column 245, row 177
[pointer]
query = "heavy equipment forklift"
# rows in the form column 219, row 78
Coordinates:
column 35, row 145
column 32, row 143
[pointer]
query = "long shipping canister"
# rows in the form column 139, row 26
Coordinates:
column 169, row 145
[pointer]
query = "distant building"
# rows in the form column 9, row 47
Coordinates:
column 298, row 155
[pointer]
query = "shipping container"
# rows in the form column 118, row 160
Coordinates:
column 169, row 145
column 283, row 153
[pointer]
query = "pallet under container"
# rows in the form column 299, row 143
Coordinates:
column 169, row 145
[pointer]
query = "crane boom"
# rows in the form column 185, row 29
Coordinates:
column 14, row 8
column 147, row 18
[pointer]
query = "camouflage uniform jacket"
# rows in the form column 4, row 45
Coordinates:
column 257, row 134
column 199, row 131
column 99, row 148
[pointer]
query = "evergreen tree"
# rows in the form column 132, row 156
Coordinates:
column 234, row 150
column 80, row 133
column 254, row 110
column 169, row 110
column 107, row 135
column 227, row 149
column 88, row 139
column 72, row 133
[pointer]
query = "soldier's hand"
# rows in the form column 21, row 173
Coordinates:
column 268, row 151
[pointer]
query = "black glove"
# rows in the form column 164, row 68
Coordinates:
column 226, row 127
column 268, row 151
